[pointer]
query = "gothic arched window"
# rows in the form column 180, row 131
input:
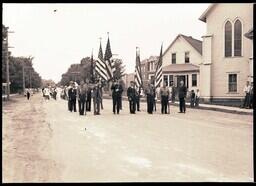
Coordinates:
column 228, row 39
column 238, row 38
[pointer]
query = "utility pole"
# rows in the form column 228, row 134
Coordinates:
column 23, row 77
column 30, row 82
column 5, row 32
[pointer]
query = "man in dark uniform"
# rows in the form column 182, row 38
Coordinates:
column 82, row 93
column 182, row 95
column 97, row 97
column 72, row 94
column 131, row 94
column 138, row 92
column 150, row 98
column 89, row 96
column 117, row 90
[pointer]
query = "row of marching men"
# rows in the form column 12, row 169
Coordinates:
column 165, row 95
column 84, row 92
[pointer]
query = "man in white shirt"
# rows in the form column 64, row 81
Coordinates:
column 247, row 88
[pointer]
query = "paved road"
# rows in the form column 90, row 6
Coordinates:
column 43, row 142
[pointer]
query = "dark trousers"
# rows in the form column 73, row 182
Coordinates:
column 120, row 103
column 81, row 104
column 132, row 105
column 69, row 105
column 164, row 103
column 116, row 103
column 96, row 106
column 246, row 100
column 251, row 101
column 173, row 98
column 192, row 102
column 28, row 95
column 101, row 103
column 150, row 104
column 73, row 105
column 88, row 104
column 197, row 102
column 138, row 103
column 154, row 104
column 182, row 105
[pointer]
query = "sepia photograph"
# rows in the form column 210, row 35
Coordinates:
column 127, row 92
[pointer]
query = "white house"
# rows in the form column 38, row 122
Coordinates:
column 226, row 52
column 181, row 62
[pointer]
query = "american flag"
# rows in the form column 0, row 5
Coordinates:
column 108, row 60
column 138, row 76
column 159, row 72
column 100, row 66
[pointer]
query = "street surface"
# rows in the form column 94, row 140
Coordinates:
column 44, row 142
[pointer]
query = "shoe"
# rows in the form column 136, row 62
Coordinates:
column 118, row 113
column 179, row 112
column 114, row 112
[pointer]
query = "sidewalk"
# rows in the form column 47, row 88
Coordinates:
column 219, row 108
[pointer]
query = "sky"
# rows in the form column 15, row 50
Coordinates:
column 57, row 39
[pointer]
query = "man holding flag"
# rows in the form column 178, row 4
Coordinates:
column 138, row 79
column 159, row 72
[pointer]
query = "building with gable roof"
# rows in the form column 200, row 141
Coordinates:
column 181, row 61
column 226, row 53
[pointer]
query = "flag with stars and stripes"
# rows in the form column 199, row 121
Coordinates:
column 159, row 72
column 100, row 66
column 138, row 76
column 109, row 60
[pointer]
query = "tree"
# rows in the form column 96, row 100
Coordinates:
column 120, row 68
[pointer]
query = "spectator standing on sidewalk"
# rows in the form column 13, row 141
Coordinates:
column 197, row 98
column 251, row 96
column 192, row 99
column 247, row 88
column 28, row 94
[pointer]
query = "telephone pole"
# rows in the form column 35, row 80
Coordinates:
column 5, row 41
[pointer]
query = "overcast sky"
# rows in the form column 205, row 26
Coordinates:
column 58, row 39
